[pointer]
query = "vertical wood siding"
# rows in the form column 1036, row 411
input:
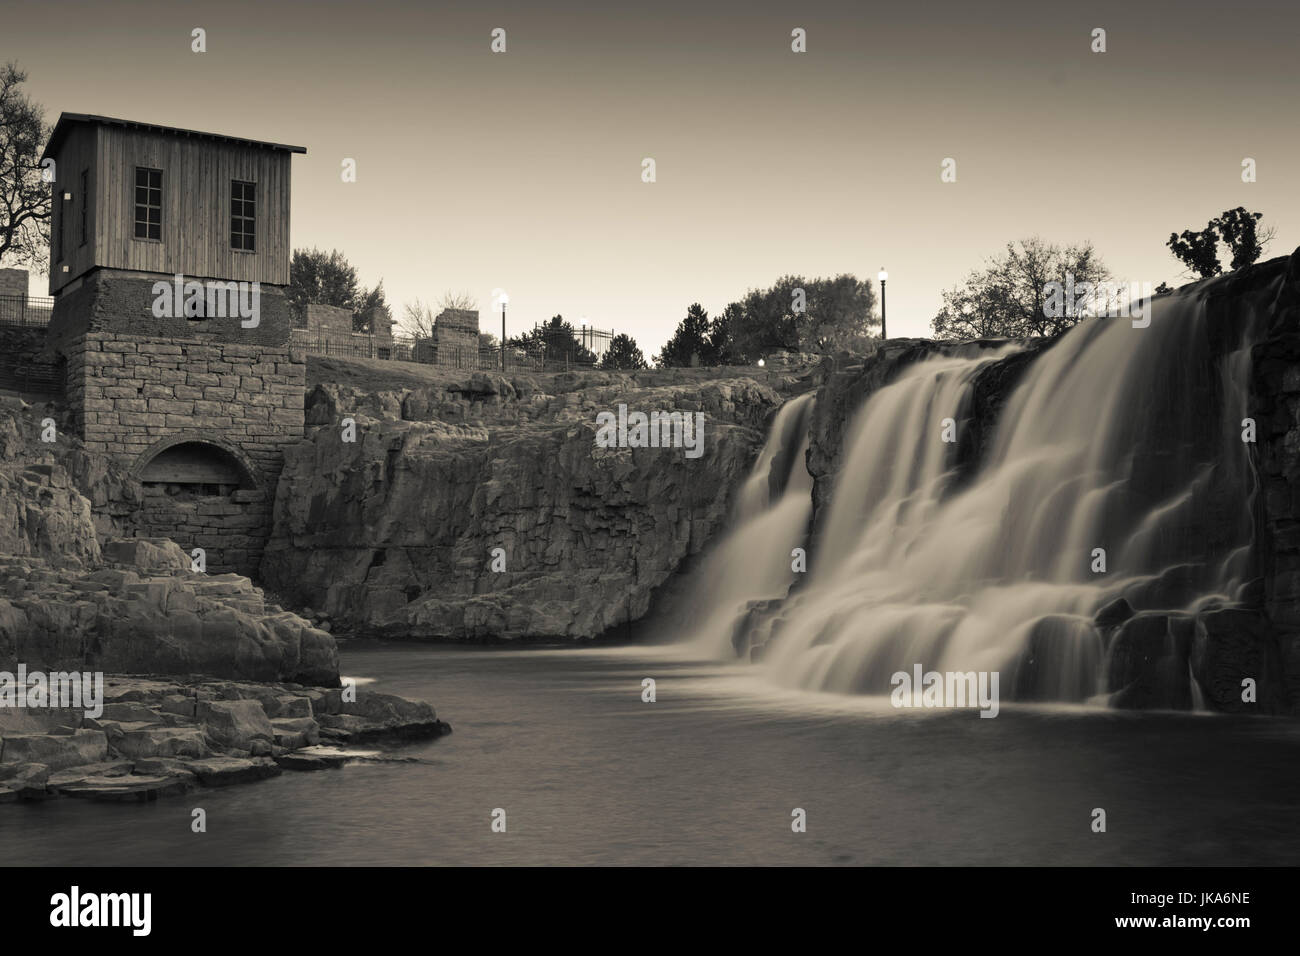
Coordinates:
column 196, row 205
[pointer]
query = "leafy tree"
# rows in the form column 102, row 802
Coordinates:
column 719, row 347
column 556, row 341
column 1199, row 251
column 796, row 314
column 372, row 309
column 321, row 278
column 766, row 321
column 1236, row 228
column 1009, row 296
column 793, row 315
column 24, row 199
column 486, row 340
column 691, row 343
column 623, row 354
column 837, row 316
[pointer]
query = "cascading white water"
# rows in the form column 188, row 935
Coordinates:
column 752, row 563
column 1118, row 438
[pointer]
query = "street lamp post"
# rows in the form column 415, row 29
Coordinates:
column 882, row 277
column 505, row 299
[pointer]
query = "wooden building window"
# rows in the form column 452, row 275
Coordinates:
column 243, row 213
column 148, row 203
column 85, row 201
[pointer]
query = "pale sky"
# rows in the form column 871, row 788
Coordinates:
column 522, row 170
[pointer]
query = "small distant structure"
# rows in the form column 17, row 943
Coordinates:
column 13, row 283
column 454, row 341
column 329, row 331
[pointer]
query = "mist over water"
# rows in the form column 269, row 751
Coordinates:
column 1117, row 438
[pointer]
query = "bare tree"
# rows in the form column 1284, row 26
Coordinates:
column 24, row 198
column 417, row 319
column 457, row 300
column 418, row 316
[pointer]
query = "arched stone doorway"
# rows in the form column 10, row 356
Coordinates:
column 202, row 492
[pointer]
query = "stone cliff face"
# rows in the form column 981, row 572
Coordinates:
column 398, row 532
column 1275, row 404
column 75, row 594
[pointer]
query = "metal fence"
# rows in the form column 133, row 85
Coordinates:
column 26, row 310
column 22, row 375
column 544, row 350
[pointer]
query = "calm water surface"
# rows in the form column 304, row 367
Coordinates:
column 589, row 774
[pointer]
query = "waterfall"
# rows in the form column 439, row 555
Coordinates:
column 753, row 563
column 1119, row 445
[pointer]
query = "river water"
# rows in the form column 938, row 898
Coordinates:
column 709, row 773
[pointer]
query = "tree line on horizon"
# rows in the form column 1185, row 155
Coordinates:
column 1003, row 298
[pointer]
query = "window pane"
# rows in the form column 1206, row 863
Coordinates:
column 155, row 197
column 141, row 177
column 155, row 179
column 155, row 231
column 141, row 230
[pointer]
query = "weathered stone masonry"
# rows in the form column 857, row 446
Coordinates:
column 169, row 260
column 138, row 386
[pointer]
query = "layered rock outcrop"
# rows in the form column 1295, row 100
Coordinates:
column 483, row 509
column 157, row 738
column 152, row 614
column 72, row 598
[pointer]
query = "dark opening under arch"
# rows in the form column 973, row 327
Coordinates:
column 196, row 467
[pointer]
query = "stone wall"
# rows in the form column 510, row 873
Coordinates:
column 13, row 282
column 108, row 300
column 133, row 396
column 139, row 383
column 455, row 337
column 329, row 321
column 331, row 326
